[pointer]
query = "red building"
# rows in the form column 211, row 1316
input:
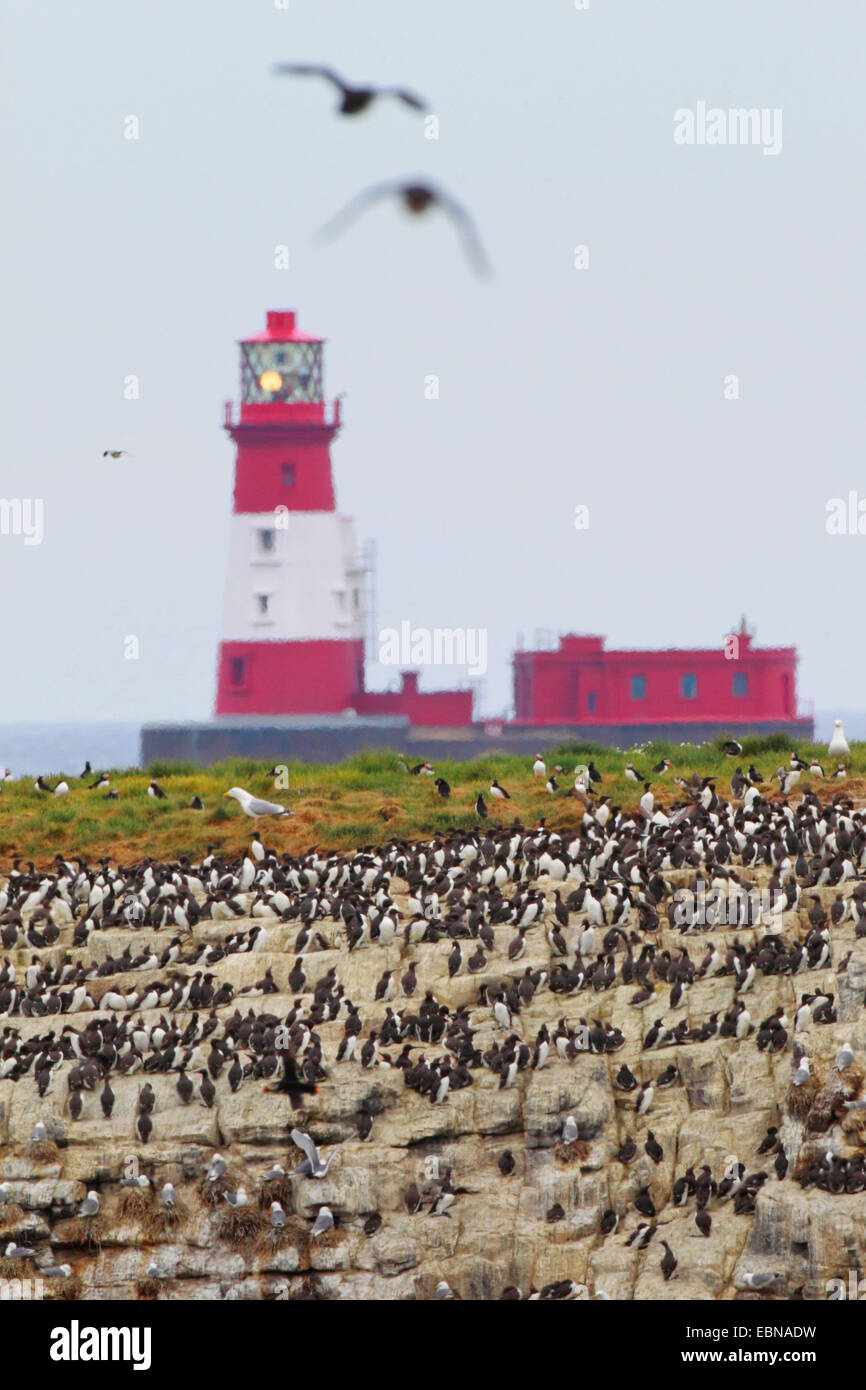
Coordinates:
column 582, row 683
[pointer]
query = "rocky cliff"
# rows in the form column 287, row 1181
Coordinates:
column 394, row 1236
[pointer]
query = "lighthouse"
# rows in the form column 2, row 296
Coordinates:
column 293, row 619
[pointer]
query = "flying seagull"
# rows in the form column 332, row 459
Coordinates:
column 252, row 806
column 417, row 198
column 353, row 100
column 116, row 453
column 313, row 1165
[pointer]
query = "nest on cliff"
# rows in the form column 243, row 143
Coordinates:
column 87, row 1231
column 576, row 1152
column 147, row 1288
column 43, row 1150
column 212, row 1193
column 824, row 1112
column 11, row 1269
column 136, row 1202
column 800, row 1099
column 240, row 1225
column 277, row 1190
column 11, row 1216
column 160, row 1219
column 67, row 1290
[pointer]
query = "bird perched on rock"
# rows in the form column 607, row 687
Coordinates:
column 324, row 1222
column 91, row 1204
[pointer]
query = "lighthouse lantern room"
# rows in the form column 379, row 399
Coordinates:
column 293, row 623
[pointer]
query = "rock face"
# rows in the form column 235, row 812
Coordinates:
column 499, row 1230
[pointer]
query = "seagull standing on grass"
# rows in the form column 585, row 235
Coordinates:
column 252, row 806
column 838, row 745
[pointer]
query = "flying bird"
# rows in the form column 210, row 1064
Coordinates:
column 417, row 198
column 116, row 453
column 353, row 100
column 313, row 1166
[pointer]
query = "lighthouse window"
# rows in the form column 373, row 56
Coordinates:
column 287, row 474
column 590, row 702
column 267, row 541
column 638, row 687
column 263, row 602
column 688, row 687
column 741, row 683
column 237, row 670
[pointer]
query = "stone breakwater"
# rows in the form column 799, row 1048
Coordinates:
column 540, row 1224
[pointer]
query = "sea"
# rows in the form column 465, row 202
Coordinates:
column 30, row 749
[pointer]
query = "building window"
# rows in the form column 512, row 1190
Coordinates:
column 237, row 670
column 287, row 474
column 688, row 687
column 590, row 702
column 263, row 604
column 267, row 541
column 741, row 683
column 638, row 687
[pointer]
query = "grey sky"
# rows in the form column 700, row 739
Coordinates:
column 558, row 386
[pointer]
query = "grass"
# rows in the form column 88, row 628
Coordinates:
column 359, row 802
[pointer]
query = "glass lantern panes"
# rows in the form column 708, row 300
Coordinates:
column 281, row 372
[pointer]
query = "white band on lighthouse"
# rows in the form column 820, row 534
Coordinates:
column 294, row 577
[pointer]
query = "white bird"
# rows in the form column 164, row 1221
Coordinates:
column 39, row 1133
column 756, row 1281
column 252, row 806
column 838, row 745
column 803, row 1072
column 56, row 1271
column 274, row 1174
column 18, row 1252
column 443, row 1291
column 278, row 1216
column 845, row 1058
column 313, row 1165
column 323, row 1222
column 62, row 789
column 569, row 1130
column 91, row 1204
column 539, row 768
column 168, row 1195
column 237, row 1199
column 217, row 1167
column 153, row 1271
column 5, row 1193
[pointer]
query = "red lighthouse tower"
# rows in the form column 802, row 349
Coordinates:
column 293, row 624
